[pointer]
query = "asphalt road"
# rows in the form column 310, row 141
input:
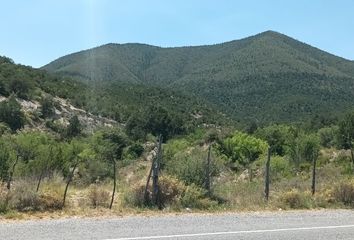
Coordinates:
column 332, row 224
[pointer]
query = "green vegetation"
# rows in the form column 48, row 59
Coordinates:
column 44, row 171
column 11, row 114
column 291, row 107
column 266, row 78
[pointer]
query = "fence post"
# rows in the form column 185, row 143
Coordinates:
column 313, row 187
column 155, row 175
column 207, row 173
column 267, row 176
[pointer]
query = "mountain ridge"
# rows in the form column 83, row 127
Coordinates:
column 228, row 74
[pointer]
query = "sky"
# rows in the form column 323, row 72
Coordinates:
column 36, row 32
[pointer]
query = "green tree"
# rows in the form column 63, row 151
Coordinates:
column 11, row 114
column 73, row 157
column 276, row 136
column 110, row 145
column 310, row 147
column 5, row 157
column 155, row 120
column 74, row 128
column 294, row 146
column 243, row 148
column 345, row 136
column 3, row 90
column 20, row 87
column 47, row 106
column 328, row 136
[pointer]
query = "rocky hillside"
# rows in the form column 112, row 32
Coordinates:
column 63, row 111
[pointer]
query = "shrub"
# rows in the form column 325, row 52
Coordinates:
column 11, row 114
column 280, row 168
column 47, row 106
column 135, row 197
column 4, row 200
column 98, row 197
column 296, row 199
column 172, row 193
column 171, row 190
column 20, row 87
column 190, row 164
column 25, row 199
column 135, row 150
column 344, row 193
column 51, row 201
column 327, row 136
column 194, row 197
column 74, row 128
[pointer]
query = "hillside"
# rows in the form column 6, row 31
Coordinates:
column 268, row 77
column 93, row 103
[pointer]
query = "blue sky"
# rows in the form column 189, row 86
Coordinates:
column 35, row 32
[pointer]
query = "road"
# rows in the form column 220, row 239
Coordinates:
column 297, row 225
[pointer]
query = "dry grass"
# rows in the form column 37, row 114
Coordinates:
column 287, row 192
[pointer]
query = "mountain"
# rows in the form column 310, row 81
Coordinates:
column 268, row 77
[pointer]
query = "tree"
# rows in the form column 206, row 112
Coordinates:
column 73, row 159
column 243, row 148
column 276, row 136
column 20, row 87
column 11, row 114
column 110, row 145
column 345, row 136
column 294, row 146
column 74, row 128
column 24, row 148
column 327, row 136
column 155, row 120
column 3, row 90
column 311, row 148
column 5, row 156
column 47, row 106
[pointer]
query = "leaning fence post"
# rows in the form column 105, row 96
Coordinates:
column 267, row 176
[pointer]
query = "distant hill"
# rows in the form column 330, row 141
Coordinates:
column 265, row 78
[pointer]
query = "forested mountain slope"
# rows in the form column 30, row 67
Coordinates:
column 268, row 77
column 117, row 101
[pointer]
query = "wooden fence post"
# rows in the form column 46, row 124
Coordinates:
column 313, row 187
column 155, row 175
column 267, row 176
column 207, row 173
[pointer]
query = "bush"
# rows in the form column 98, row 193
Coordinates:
column 51, row 201
column 189, row 165
column 20, row 87
column 171, row 189
column 11, row 114
column 194, row 197
column 47, row 107
column 4, row 200
column 172, row 193
column 135, row 150
column 25, row 199
column 135, row 197
column 344, row 193
column 280, row 168
column 98, row 197
column 295, row 199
